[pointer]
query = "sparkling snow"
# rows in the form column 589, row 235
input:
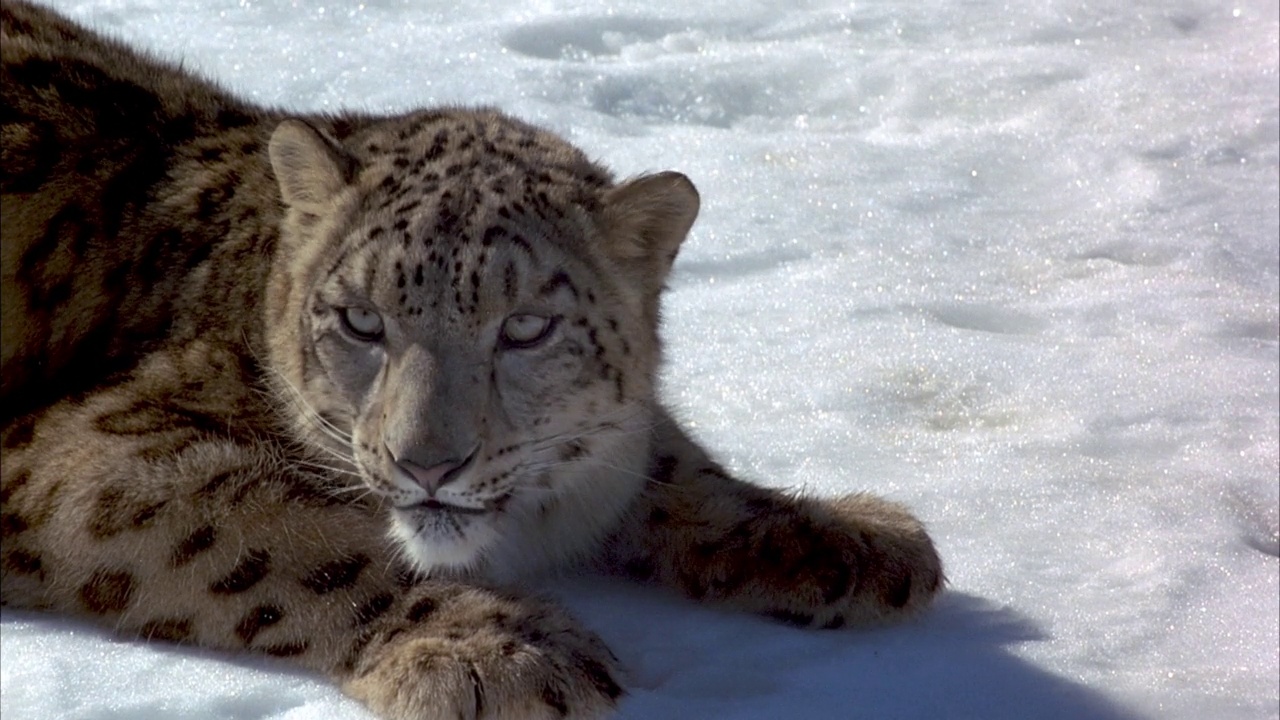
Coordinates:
column 1016, row 265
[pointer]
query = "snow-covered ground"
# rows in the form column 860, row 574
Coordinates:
column 1016, row 265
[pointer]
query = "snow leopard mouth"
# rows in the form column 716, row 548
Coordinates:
column 433, row 511
column 432, row 505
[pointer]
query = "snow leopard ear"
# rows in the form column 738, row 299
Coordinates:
column 646, row 219
column 310, row 166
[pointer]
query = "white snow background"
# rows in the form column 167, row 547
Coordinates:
column 1015, row 265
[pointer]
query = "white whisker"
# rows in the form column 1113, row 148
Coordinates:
column 329, row 468
column 311, row 414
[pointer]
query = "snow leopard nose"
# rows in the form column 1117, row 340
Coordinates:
column 437, row 475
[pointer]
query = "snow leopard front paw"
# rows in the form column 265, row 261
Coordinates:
column 477, row 655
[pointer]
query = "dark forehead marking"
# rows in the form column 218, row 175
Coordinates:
column 346, row 286
column 488, row 154
column 560, row 279
column 496, row 143
column 399, row 226
column 509, row 282
column 518, row 241
column 370, row 272
column 352, row 247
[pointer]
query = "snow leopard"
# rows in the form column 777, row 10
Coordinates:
column 333, row 387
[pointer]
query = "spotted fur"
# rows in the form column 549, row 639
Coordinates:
column 320, row 387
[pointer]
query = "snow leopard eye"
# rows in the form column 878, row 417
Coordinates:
column 524, row 330
column 364, row 325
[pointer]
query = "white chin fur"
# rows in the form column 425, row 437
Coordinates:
column 434, row 547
